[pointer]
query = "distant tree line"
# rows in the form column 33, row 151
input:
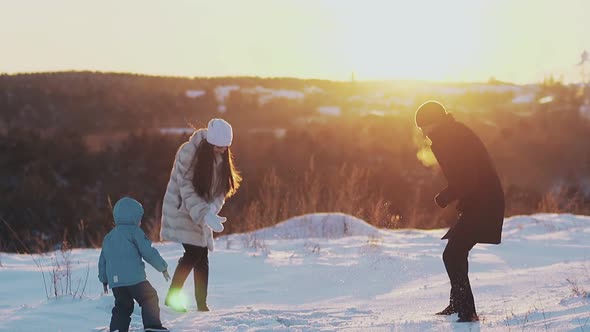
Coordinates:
column 72, row 143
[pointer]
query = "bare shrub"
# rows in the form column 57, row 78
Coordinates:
column 251, row 241
column 577, row 289
column 58, row 281
column 344, row 189
column 562, row 200
column 61, row 282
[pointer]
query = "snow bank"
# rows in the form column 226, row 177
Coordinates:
column 222, row 93
column 330, row 110
column 327, row 279
column 319, row 225
column 266, row 94
column 524, row 99
column 544, row 226
column 176, row 131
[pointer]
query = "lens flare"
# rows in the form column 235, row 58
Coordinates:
column 177, row 300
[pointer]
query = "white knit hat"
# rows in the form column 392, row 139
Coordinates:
column 219, row 132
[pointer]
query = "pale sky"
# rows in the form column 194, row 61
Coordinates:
column 519, row 41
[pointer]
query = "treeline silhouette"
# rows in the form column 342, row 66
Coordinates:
column 74, row 142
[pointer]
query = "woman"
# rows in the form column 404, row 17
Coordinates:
column 202, row 177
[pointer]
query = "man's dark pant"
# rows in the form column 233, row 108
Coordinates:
column 147, row 298
column 455, row 259
column 196, row 259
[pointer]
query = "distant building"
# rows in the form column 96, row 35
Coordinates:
column 194, row 93
column 330, row 110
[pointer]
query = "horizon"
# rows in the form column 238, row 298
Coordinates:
column 392, row 80
column 473, row 41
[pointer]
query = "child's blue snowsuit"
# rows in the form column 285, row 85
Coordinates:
column 122, row 268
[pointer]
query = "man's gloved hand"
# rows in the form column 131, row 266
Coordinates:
column 105, row 288
column 442, row 199
column 214, row 221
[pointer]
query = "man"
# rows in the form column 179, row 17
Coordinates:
column 474, row 184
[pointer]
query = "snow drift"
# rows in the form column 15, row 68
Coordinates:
column 319, row 225
column 332, row 272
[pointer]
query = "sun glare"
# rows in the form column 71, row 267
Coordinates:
column 402, row 39
column 453, row 40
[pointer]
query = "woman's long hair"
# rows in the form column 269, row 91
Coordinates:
column 229, row 177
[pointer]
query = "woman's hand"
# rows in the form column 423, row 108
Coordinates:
column 215, row 222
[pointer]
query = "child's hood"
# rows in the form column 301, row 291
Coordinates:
column 127, row 211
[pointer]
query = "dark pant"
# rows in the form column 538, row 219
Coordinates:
column 455, row 258
column 147, row 298
column 196, row 259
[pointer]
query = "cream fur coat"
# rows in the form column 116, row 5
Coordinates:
column 183, row 210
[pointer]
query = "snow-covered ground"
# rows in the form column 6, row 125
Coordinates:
column 335, row 273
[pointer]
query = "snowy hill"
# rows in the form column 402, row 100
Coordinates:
column 319, row 225
column 332, row 272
